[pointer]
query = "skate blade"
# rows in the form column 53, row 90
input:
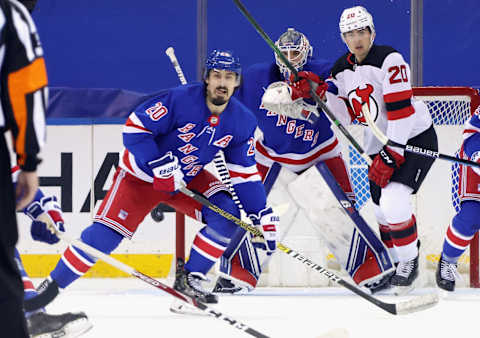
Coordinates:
column 183, row 308
column 70, row 330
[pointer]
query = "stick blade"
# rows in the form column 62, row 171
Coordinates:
column 417, row 304
column 335, row 333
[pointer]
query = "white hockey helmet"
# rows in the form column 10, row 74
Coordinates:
column 356, row 18
column 293, row 41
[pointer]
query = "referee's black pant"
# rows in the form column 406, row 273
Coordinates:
column 12, row 317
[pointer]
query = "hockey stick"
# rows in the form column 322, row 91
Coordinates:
column 411, row 149
column 171, row 55
column 149, row 280
column 312, row 117
column 416, row 304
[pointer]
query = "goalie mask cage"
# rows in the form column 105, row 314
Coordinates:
column 434, row 205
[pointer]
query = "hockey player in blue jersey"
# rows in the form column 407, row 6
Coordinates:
column 40, row 323
column 466, row 222
column 289, row 143
column 168, row 140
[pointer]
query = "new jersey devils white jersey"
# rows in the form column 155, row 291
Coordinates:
column 382, row 80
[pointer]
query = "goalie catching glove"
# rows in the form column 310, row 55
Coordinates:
column 383, row 166
column 268, row 223
column 47, row 219
column 278, row 98
column 167, row 173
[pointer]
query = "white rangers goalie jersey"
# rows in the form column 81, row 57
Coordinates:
column 382, row 80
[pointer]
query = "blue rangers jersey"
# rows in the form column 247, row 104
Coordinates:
column 296, row 144
column 177, row 120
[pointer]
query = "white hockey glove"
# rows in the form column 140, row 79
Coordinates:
column 167, row 173
column 268, row 223
column 278, row 98
column 47, row 219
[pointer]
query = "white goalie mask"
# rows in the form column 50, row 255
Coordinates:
column 296, row 47
column 356, row 18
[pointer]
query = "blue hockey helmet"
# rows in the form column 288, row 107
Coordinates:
column 223, row 59
column 296, row 47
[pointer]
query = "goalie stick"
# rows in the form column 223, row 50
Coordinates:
column 313, row 116
column 404, row 307
column 149, row 280
column 411, row 149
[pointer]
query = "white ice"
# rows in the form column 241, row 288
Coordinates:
column 128, row 307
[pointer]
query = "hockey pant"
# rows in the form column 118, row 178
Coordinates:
column 125, row 206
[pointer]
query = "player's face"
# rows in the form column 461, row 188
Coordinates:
column 293, row 56
column 220, row 86
column 358, row 41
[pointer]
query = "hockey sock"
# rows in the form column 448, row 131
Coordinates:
column 387, row 240
column 28, row 288
column 207, row 247
column 461, row 231
column 212, row 240
column 404, row 238
column 74, row 263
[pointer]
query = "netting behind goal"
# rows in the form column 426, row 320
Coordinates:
column 437, row 200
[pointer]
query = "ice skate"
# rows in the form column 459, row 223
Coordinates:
column 380, row 285
column 190, row 284
column 66, row 325
column 224, row 285
column 446, row 275
column 404, row 277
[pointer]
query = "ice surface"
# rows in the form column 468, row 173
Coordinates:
column 128, row 307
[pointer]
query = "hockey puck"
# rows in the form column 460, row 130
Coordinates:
column 157, row 214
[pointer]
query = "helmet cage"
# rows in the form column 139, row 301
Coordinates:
column 223, row 59
column 289, row 42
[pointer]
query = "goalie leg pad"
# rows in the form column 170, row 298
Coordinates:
column 240, row 262
column 349, row 238
column 337, row 167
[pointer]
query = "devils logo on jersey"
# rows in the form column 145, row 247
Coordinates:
column 359, row 96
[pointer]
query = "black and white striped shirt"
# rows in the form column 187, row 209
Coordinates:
column 23, row 83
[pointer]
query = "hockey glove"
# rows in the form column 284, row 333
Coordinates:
column 301, row 87
column 49, row 211
column 383, row 166
column 268, row 223
column 167, row 173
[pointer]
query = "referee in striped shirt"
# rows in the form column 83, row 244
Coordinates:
column 23, row 96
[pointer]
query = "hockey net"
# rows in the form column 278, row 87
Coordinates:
column 437, row 200
column 434, row 204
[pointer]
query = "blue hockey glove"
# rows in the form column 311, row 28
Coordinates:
column 48, row 210
column 268, row 223
column 167, row 173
